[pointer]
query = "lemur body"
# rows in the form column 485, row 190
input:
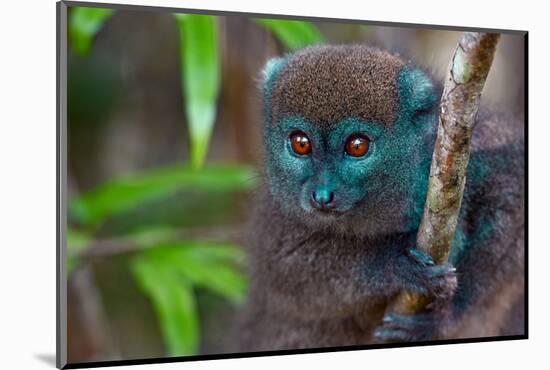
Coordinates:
column 349, row 134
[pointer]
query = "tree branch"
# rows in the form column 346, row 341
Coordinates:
column 468, row 71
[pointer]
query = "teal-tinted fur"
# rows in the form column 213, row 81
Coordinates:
column 399, row 156
column 324, row 278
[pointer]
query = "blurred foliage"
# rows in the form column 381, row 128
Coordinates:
column 200, row 65
column 92, row 95
column 84, row 23
column 77, row 241
column 293, row 34
column 133, row 190
column 167, row 270
column 168, row 273
column 200, row 61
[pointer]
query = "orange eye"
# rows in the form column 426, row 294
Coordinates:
column 357, row 145
column 300, row 143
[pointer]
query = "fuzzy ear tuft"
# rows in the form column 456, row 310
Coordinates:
column 417, row 90
column 269, row 76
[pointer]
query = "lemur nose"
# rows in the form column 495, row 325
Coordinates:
column 322, row 199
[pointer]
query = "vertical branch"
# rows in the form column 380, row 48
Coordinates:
column 468, row 71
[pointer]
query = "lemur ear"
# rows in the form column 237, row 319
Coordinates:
column 269, row 76
column 417, row 90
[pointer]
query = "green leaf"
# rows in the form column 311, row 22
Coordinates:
column 84, row 23
column 174, row 304
column 200, row 65
column 126, row 192
column 167, row 274
column 293, row 34
column 221, row 279
column 212, row 267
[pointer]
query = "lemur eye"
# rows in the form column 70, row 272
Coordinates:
column 300, row 143
column 357, row 145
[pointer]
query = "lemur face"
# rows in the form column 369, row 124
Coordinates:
column 324, row 170
column 346, row 133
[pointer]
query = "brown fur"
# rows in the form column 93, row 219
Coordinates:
column 315, row 287
column 326, row 84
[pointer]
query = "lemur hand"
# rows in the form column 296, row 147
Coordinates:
column 418, row 272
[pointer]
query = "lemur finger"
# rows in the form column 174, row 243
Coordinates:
column 420, row 257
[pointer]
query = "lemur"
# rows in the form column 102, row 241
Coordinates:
column 349, row 133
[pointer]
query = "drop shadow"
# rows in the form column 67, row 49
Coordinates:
column 47, row 358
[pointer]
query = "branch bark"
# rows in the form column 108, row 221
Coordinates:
column 466, row 77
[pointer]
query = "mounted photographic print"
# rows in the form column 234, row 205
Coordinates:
column 235, row 185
